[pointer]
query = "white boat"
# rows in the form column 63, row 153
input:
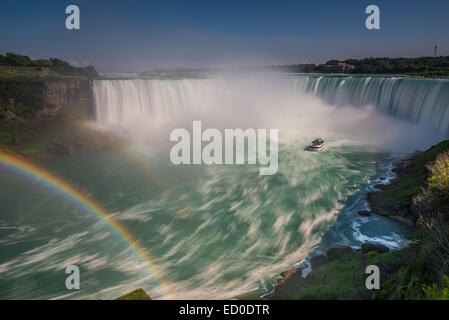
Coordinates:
column 316, row 145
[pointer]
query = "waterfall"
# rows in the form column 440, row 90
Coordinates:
column 423, row 101
column 419, row 100
column 119, row 100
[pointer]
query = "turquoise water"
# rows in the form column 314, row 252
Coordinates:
column 218, row 231
column 235, row 232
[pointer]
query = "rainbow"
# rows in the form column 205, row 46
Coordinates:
column 24, row 166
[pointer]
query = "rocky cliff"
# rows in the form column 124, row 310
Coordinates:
column 46, row 117
column 44, row 100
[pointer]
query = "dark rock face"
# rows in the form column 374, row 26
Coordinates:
column 336, row 252
column 364, row 213
column 318, row 261
column 367, row 247
column 381, row 186
column 26, row 93
column 73, row 93
column 45, row 99
column 341, row 248
column 376, row 202
column 403, row 220
column 404, row 163
column 286, row 275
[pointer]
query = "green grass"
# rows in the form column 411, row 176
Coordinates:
column 435, row 292
column 339, row 280
column 343, row 278
column 138, row 294
column 25, row 73
column 8, row 73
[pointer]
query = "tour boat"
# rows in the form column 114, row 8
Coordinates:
column 316, row 145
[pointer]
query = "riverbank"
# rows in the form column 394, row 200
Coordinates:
column 418, row 196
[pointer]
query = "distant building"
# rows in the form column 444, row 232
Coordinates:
column 435, row 51
column 340, row 67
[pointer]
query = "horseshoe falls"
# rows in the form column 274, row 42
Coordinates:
column 419, row 100
column 216, row 231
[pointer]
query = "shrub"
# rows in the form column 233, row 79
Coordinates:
column 13, row 59
column 55, row 65
column 438, row 293
column 439, row 179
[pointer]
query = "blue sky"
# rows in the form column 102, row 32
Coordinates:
column 137, row 35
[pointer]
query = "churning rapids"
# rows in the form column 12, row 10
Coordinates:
column 216, row 231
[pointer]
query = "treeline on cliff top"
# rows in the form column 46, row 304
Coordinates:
column 423, row 66
column 56, row 65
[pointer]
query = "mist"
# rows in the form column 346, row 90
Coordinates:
column 144, row 112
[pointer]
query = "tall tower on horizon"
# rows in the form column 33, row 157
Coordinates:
column 435, row 51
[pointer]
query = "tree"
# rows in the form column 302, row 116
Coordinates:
column 13, row 59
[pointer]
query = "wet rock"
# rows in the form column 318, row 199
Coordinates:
column 381, row 186
column 403, row 164
column 364, row 213
column 403, row 220
column 286, row 275
column 367, row 247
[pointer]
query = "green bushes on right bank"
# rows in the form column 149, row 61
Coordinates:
column 417, row 271
column 424, row 274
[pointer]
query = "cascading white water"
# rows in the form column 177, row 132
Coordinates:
column 121, row 100
column 419, row 100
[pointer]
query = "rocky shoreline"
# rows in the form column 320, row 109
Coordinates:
column 292, row 279
column 394, row 211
